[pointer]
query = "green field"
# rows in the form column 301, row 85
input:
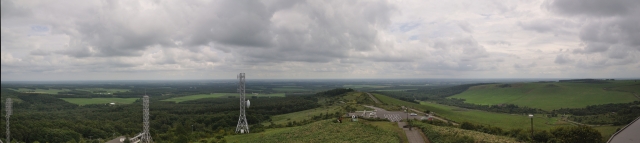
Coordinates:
column 549, row 96
column 85, row 101
column 320, row 132
column 395, row 89
column 43, row 91
column 504, row 121
column 217, row 95
column 301, row 115
column 289, row 89
column 108, row 90
column 364, row 86
column 56, row 91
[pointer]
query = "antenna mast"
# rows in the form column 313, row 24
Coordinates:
column 242, row 121
column 146, row 137
column 7, row 115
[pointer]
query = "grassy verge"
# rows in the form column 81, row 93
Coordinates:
column 320, row 132
column 450, row 134
column 301, row 115
column 391, row 126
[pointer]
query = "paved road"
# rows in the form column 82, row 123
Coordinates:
column 374, row 98
column 414, row 135
column 630, row 134
column 393, row 116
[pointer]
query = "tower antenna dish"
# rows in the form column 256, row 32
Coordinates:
column 242, row 127
column 146, row 137
column 8, row 106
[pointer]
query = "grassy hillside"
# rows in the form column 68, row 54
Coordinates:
column 320, row 132
column 457, row 133
column 390, row 126
column 301, row 115
column 504, row 121
column 549, row 96
column 217, row 95
column 85, row 101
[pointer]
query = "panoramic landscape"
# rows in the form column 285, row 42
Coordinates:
column 273, row 71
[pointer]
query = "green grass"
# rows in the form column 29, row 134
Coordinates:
column 301, row 115
column 395, row 89
column 320, row 132
column 43, row 91
column 477, row 136
column 56, row 91
column 391, row 126
column 85, row 101
column 504, row 121
column 607, row 131
column 549, row 96
column 289, row 89
column 217, row 95
column 108, row 90
column 364, row 86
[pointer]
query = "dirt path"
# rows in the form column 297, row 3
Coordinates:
column 414, row 135
column 374, row 98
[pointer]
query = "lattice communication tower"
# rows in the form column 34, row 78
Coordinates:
column 242, row 127
column 146, row 137
column 8, row 107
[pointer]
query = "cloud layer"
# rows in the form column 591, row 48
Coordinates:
column 97, row 40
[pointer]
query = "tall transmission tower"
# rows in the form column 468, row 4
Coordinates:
column 242, row 121
column 146, row 137
column 7, row 115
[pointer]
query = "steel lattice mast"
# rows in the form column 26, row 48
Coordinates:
column 7, row 115
column 242, row 127
column 146, row 137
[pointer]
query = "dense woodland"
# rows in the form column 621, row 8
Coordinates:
column 616, row 114
column 40, row 117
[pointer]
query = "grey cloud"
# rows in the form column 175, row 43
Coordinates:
column 40, row 52
column 11, row 10
column 500, row 42
column 519, row 66
column 593, row 48
column 563, row 59
column 623, row 31
column 593, row 7
column 543, row 25
column 309, row 32
column 611, row 28
column 258, row 31
column 537, row 26
column 466, row 27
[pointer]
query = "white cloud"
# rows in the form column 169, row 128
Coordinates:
column 318, row 39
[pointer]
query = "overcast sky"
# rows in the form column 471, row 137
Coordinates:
column 290, row 39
